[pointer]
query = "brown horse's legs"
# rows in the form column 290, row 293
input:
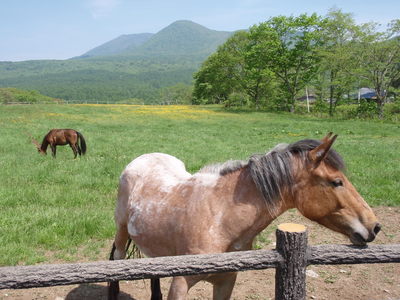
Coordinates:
column 79, row 149
column 53, row 150
column 223, row 286
column 113, row 286
column 179, row 289
column 156, row 289
column 121, row 237
column 73, row 147
column 181, row 285
column 118, row 252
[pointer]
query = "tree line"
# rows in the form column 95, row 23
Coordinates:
column 275, row 62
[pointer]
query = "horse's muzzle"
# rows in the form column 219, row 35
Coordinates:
column 360, row 240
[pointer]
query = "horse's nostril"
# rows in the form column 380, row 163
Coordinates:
column 377, row 228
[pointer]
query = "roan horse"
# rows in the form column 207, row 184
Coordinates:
column 167, row 211
column 61, row 137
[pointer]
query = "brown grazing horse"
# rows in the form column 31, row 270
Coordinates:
column 167, row 211
column 61, row 137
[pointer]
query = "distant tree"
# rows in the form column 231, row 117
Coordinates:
column 339, row 34
column 176, row 94
column 287, row 47
column 378, row 59
column 248, row 78
column 221, row 74
column 210, row 82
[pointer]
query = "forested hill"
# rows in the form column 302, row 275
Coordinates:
column 121, row 44
column 183, row 38
column 130, row 66
column 179, row 38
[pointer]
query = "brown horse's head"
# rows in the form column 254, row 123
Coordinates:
column 326, row 196
column 38, row 146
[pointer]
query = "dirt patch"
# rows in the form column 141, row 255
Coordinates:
column 377, row 281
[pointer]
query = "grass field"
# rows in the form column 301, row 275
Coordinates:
column 62, row 209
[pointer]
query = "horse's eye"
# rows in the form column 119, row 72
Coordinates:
column 337, row 183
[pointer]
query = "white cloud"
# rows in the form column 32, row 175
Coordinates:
column 102, row 8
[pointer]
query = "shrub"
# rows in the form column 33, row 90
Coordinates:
column 364, row 110
column 237, row 99
column 391, row 111
column 320, row 106
column 347, row 111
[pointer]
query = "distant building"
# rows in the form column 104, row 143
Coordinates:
column 365, row 93
column 311, row 98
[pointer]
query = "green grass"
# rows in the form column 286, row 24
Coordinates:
column 60, row 209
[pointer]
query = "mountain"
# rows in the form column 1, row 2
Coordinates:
column 129, row 66
column 183, row 38
column 180, row 38
column 126, row 42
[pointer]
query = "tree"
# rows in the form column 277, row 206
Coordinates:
column 338, row 34
column 378, row 58
column 211, row 82
column 287, row 47
column 176, row 94
column 221, row 74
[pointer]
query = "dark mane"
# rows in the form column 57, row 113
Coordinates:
column 44, row 143
column 302, row 147
column 272, row 173
column 224, row 168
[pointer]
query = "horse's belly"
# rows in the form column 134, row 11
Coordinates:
column 153, row 226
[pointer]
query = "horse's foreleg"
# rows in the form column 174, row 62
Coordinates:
column 179, row 289
column 180, row 286
column 118, row 252
column 53, row 150
column 223, row 286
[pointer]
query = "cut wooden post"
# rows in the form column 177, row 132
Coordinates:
column 290, row 275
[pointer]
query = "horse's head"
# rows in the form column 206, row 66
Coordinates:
column 38, row 146
column 325, row 195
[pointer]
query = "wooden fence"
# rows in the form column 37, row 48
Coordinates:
column 290, row 258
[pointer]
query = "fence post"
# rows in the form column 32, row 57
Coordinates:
column 290, row 275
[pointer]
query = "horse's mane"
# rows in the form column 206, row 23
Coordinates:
column 45, row 143
column 272, row 172
column 224, row 168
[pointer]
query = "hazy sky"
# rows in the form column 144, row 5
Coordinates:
column 60, row 29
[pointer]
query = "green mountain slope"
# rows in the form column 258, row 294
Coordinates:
column 13, row 95
column 123, row 43
column 131, row 66
column 183, row 37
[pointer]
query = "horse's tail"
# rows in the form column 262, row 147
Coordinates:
column 82, row 141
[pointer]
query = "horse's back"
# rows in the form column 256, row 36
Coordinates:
column 147, row 178
column 166, row 167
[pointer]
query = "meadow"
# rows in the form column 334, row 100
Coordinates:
column 61, row 209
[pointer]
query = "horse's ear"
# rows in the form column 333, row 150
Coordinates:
column 318, row 154
column 327, row 137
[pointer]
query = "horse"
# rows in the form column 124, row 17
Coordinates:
column 61, row 137
column 167, row 211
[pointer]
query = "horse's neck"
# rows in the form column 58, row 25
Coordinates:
column 244, row 201
column 44, row 144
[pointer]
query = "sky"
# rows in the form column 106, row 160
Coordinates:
column 61, row 29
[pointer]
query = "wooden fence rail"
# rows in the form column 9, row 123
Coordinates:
column 292, row 253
